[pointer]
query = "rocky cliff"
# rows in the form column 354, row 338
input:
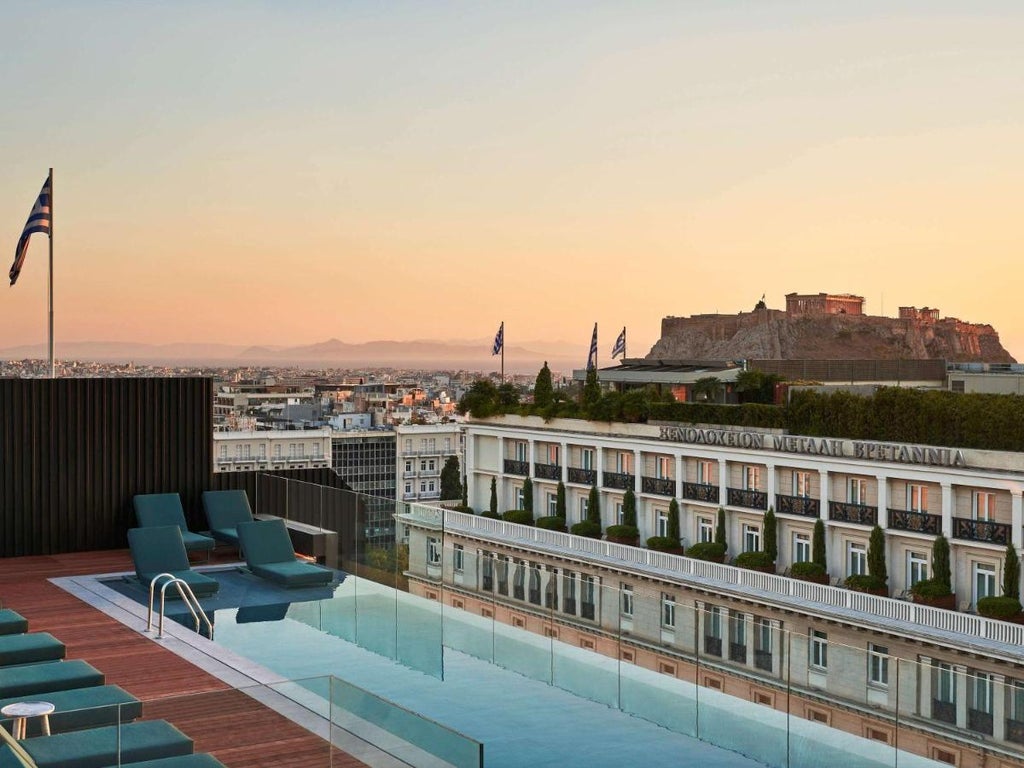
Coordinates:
column 776, row 335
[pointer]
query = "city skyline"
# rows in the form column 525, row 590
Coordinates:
column 402, row 172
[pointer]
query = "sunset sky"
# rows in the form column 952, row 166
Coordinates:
column 283, row 173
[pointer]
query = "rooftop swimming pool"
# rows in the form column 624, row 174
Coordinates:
column 530, row 700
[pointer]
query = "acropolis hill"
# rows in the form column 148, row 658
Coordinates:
column 827, row 327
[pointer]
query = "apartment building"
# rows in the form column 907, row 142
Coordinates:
column 421, row 452
column 247, row 451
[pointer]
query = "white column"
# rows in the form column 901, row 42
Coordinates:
column 961, row 695
column 770, row 489
column 469, row 467
column 924, row 686
column 563, row 454
column 824, row 495
column 680, row 477
column 531, row 456
column 947, row 510
column 749, row 620
column 600, row 465
column 638, row 468
column 698, row 606
column 1016, row 518
column 500, row 489
column 999, row 707
column 724, row 616
column 723, row 482
column 776, row 648
column 883, row 501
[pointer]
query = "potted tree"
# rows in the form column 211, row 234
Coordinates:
column 669, row 543
column 556, row 522
column 492, row 508
column 1006, row 607
column 626, row 532
column 764, row 560
column 938, row 590
column 814, row 569
column 876, row 580
column 591, row 527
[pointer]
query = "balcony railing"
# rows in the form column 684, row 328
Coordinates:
column 981, row 530
column 944, row 711
column 738, row 653
column 513, row 467
column 700, row 492
column 582, row 476
column 763, row 660
column 919, row 522
column 1015, row 731
column 547, row 471
column 660, row 486
column 979, row 722
column 797, row 505
column 847, row 512
column 712, row 646
column 618, row 480
column 587, row 610
column 750, row 499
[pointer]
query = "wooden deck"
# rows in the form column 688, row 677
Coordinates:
column 237, row 729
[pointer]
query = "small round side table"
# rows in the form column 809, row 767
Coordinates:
column 26, row 709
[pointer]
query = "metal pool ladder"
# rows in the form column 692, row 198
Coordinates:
column 188, row 597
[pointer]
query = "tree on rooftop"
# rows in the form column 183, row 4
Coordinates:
column 720, row 529
column 480, row 399
column 543, row 391
column 876, row 556
column 940, row 564
column 1011, row 573
column 771, row 542
column 465, row 492
column 629, row 508
column 594, row 505
column 818, row 544
column 451, row 484
column 507, row 397
column 528, row 495
column 494, row 496
column 707, row 388
column 591, row 392
column 560, row 500
column 673, row 521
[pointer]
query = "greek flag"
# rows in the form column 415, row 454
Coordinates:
column 592, row 357
column 620, row 345
column 38, row 221
column 499, row 340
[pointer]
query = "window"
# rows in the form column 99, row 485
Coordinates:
column 568, row 592
column 945, row 683
column 819, row 649
column 535, row 583
column 519, row 580
column 458, row 558
column 423, row 486
column 801, row 548
column 552, row 504
column 857, row 491
column 552, row 453
column 856, row 560
column 738, row 630
column 223, row 451
column 626, row 601
column 705, row 472
column 551, row 593
column 661, row 522
column 662, row 468
column 247, row 451
column 408, row 445
column 238, row 452
column 447, row 445
column 277, row 451
column 620, row 514
column 431, row 487
column 316, row 450
column 502, row 569
column 433, row 551
column 408, row 488
column 713, row 625
column 917, row 497
column 587, row 592
column 751, row 478
column 751, row 538
column 584, row 506
column 668, row 611
column 520, row 497
column 878, row 665
column 432, row 465
column 917, row 568
column 705, row 529
column 983, row 506
column 763, row 635
column 981, row 695
column 263, row 451
column 520, row 450
column 487, row 572
column 984, row 581
column 801, row 483
column 587, row 458
column 624, row 463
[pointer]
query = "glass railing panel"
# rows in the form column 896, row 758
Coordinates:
column 526, row 652
column 468, row 615
column 585, row 659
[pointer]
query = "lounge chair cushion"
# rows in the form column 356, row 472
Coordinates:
column 160, row 549
column 82, row 708
column 156, row 509
column 98, row 747
column 196, row 760
column 30, row 648
column 12, row 622
column 269, row 554
column 224, row 511
column 33, row 679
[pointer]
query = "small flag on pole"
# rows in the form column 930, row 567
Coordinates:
column 499, row 340
column 592, row 357
column 38, row 221
column 620, row 345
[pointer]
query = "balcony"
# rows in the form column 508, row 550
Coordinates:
column 918, row 522
column 763, row 660
column 700, row 492
column 797, row 505
column 618, row 480
column 513, row 467
column 583, row 476
column 713, row 646
column 738, row 653
column 659, row 486
column 547, row 471
column 981, row 530
column 944, row 711
column 430, row 473
column 979, row 722
column 846, row 512
column 750, row 499
column 587, row 610
column 1015, row 731
column 429, row 495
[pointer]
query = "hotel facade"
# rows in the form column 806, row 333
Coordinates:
column 947, row 685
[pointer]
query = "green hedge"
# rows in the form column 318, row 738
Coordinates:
column 627, row 533
column 930, row 588
column 808, row 571
column 664, row 544
column 865, row 582
column 999, row 607
column 747, row 415
column 587, row 528
column 553, row 523
column 707, row 550
column 521, row 516
column 753, row 560
column 492, row 515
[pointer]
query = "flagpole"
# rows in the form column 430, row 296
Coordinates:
column 53, row 369
column 623, row 342
column 502, row 351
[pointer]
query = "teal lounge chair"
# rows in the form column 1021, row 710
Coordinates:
column 224, row 511
column 269, row 554
column 154, row 509
column 195, row 760
column 12, row 622
column 160, row 550
column 79, row 708
column 33, row 679
column 30, row 648
column 100, row 747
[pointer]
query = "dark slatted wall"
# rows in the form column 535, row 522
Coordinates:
column 73, row 453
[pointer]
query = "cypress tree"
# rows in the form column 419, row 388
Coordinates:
column 560, row 501
column 940, row 564
column 629, row 508
column 594, row 506
column 494, row 496
column 528, row 495
column 591, row 392
column 720, row 529
column 543, row 391
column 771, row 543
column 818, row 544
column 465, row 492
column 1011, row 573
column 673, row 521
column 876, row 556
column 451, row 488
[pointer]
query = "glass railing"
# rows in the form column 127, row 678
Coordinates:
column 438, row 602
